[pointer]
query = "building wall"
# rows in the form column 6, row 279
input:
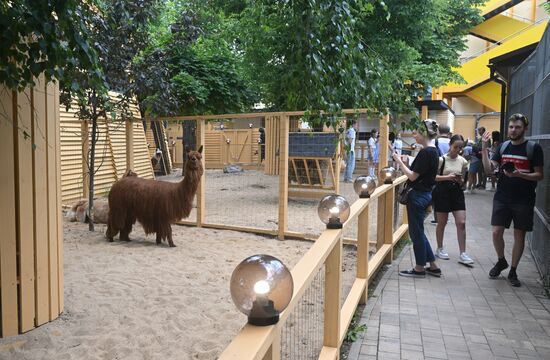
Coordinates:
column 465, row 105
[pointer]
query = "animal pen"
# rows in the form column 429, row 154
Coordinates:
column 279, row 197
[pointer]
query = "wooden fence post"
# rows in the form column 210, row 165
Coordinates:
column 274, row 351
column 129, row 145
column 363, row 250
column 201, row 196
column 383, row 143
column 333, row 288
column 388, row 223
column 283, row 176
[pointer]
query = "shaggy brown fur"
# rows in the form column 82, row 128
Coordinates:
column 155, row 204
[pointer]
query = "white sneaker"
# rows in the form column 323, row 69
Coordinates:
column 467, row 191
column 465, row 259
column 442, row 254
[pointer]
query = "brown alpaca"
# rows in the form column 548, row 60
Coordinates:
column 155, row 204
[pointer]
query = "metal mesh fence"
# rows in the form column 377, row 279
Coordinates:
column 529, row 94
column 302, row 334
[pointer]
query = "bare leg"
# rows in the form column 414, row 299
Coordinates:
column 498, row 240
column 440, row 228
column 471, row 180
column 519, row 244
column 460, row 220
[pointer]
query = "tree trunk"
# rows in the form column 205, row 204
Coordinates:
column 91, row 165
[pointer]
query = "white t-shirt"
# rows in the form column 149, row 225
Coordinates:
column 398, row 146
column 372, row 146
column 350, row 138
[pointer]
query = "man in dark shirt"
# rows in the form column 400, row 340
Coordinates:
column 520, row 164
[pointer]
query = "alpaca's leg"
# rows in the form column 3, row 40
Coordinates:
column 109, row 233
column 112, row 230
column 125, row 231
column 159, row 237
column 169, row 233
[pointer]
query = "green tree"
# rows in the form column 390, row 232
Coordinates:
column 204, row 70
column 44, row 37
column 118, row 30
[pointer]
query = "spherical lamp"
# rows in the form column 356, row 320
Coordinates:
column 333, row 210
column 364, row 186
column 388, row 174
column 261, row 288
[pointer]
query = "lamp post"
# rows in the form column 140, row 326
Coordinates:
column 388, row 174
column 261, row 288
column 364, row 186
column 333, row 210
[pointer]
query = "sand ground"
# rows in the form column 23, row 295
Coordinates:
column 137, row 300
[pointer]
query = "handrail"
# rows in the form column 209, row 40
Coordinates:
column 254, row 342
column 465, row 59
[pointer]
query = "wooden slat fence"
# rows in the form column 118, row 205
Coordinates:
column 31, row 245
column 255, row 342
column 111, row 152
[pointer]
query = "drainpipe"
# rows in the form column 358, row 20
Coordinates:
column 503, row 86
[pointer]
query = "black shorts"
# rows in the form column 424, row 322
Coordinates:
column 521, row 214
column 448, row 197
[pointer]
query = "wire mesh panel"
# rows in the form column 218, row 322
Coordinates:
column 302, row 334
column 529, row 94
column 240, row 192
column 349, row 271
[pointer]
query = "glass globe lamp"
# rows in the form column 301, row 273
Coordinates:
column 261, row 288
column 333, row 210
column 364, row 186
column 388, row 174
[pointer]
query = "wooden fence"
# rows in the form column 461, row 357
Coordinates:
column 276, row 162
column 255, row 342
column 31, row 245
column 112, row 153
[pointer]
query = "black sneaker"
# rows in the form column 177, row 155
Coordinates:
column 412, row 273
column 514, row 281
column 433, row 272
column 497, row 269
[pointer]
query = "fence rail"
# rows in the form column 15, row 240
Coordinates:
column 265, row 342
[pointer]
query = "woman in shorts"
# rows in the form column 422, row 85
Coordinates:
column 448, row 197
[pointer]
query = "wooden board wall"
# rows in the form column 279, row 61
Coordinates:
column 272, row 141
column 31, row 262
column 110, row 153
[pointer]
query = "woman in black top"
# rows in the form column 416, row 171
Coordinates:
column 421, row 177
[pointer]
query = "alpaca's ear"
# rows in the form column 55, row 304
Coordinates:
column 200, row 150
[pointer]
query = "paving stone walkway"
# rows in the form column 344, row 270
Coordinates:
column 464, row 314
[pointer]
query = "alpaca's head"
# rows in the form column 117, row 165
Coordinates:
column 194, row 161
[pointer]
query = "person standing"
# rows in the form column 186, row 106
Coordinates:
column 481, row 173
column 443, row 140
column 448, row 197
column 521, row 166
column 495, row 137
column 421, row 177
column 351, row 134
column 373, row 152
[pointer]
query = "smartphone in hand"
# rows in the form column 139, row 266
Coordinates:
column 508, row 167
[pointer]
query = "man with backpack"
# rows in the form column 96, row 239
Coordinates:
column 521, row 165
